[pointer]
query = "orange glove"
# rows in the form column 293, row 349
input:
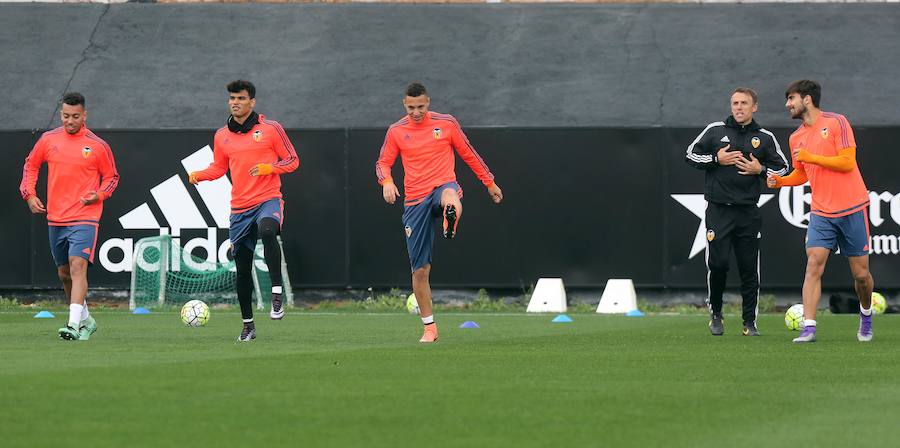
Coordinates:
column 192, row 178
column 262, row 169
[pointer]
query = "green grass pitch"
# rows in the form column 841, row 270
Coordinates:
column 363, row 380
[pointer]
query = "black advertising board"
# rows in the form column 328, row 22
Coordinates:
column 584, row 204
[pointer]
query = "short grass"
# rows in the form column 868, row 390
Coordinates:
column 363, row 380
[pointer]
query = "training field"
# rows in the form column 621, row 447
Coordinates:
column 363, row 380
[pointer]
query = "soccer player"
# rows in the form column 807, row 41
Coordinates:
column 425, row 141
column 824, row 153
column 81, row 174
column 257, row 151
column 736, row 155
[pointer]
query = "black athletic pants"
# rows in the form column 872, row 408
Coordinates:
column 737, row 227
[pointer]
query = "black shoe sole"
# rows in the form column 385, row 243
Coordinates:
column 450, row 216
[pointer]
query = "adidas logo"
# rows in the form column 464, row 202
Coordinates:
column 725, row 139
column 176, row 203
column 179, row 211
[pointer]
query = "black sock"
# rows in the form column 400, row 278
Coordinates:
column 243, row 260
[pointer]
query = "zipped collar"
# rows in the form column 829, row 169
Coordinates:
column 732, row 123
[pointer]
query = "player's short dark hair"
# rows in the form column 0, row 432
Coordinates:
column 805, row 87
column 73, row 99
column 416, row 89
column 240, row 84
column 748, row 91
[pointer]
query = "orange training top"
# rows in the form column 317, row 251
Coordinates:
column 426, row 150
column 834, row 194
column 266, row 142
column 76, row 163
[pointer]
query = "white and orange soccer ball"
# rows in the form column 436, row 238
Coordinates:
column 793, row 318
column 195, row 313
column 412, row 305
column 879, row 304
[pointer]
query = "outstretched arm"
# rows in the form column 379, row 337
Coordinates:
column 797, row 177
column 844, row 162
column 215, row 170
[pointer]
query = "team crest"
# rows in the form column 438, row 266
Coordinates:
column 437, row 133
column 710, row 235
column 825, row 133
column 755, row 142
column 257, row 136
column 408, row 230
column 86, row 152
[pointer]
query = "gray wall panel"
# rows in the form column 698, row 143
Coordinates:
column 155, row 66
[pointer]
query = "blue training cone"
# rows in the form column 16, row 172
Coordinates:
column 469, row 324
column 44, row 315
column 140, row 310
column 634, row 313
column 562, row 318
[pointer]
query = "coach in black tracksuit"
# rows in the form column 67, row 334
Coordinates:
column 737, row 155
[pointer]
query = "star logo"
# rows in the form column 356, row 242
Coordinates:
column 697, row 205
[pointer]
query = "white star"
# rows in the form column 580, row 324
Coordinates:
column 697, row 205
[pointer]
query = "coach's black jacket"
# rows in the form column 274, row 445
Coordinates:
column 723, row 183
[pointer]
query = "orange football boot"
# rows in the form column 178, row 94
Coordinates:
column 430, row 334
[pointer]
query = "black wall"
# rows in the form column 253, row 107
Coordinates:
column 584, row 204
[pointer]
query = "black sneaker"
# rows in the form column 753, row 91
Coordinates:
column 277, row 311
column 248, row 333
column 716, row 325
column 750, row 329
column 449, row 221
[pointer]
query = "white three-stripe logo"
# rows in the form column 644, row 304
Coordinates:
column 176, row 204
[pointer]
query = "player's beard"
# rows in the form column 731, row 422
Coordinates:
column 798, row 112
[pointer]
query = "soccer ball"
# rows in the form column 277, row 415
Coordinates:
column 793, row 318
column 412, row 305
column 878, row 303
column 195, row 313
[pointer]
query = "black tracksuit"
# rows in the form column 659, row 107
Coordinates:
column 732, row 217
